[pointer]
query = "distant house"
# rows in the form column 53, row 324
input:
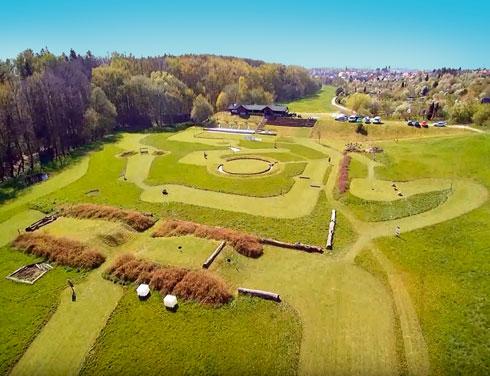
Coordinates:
column 269, row 111
column 485, row 100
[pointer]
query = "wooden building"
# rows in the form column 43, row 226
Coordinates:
column 268, row 111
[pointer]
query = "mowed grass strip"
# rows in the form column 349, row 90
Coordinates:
column 26, row 308
column 246, row 337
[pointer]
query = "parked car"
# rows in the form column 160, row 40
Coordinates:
column 367, row 120
column 341, row 117
column 376, row 120
column 416, row 124
column 424, row 124
column 410, row 123
column 352, row 118
column 439, row 124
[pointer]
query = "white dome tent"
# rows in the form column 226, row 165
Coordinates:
column 170, row 302
column 143, row 291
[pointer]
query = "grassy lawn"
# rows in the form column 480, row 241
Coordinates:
column 357, row 169
column 167, row 169
column 104, row 173
column 373, row 211
column 60, row 180
column 445, row 267
column 25, row 308
column 320, row 102
column 296, row 149
column 249, row 337
column 332, row 131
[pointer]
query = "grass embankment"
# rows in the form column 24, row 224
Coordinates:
column 248, row 336
column 445, row 266
column 25, row 308
column 317, row 103
column 166, row 169
column 373, row 211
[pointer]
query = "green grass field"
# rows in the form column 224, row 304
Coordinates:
column 318, row 103
column 374, row 305
column 249, row 337
column 25, row 309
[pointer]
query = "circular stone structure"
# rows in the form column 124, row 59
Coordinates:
column 246, row 166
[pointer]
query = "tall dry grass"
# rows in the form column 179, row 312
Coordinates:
column 199, row 286
column 59, row 250
column 246, row 244
column 343, row 178
column 134, row 219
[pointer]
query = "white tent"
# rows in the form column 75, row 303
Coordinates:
column 170, row 301
column 143, row 290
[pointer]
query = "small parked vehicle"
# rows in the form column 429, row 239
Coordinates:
column 376, row 120
column 416, row 124
column 352, row 118
column 424, row 124
column 341, row 117
column 410, row 123
column 440, row 124
column 367, row 120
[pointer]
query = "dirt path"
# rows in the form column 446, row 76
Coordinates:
column 466, row 127
column 340, row 107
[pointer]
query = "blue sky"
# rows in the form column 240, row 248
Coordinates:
column 412, row 34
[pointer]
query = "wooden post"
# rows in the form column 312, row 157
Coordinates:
column 298, row 246
column 213, row 255
column 260, row 294
column 331, row 229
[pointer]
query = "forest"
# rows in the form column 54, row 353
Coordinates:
column 51, row 105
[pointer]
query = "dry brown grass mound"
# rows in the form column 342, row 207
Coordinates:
column 134, row 219
column 246, row 244
column 199, row 286
column 115, row 238
column 59, row 250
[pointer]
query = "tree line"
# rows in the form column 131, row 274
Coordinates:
column 50, row 105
